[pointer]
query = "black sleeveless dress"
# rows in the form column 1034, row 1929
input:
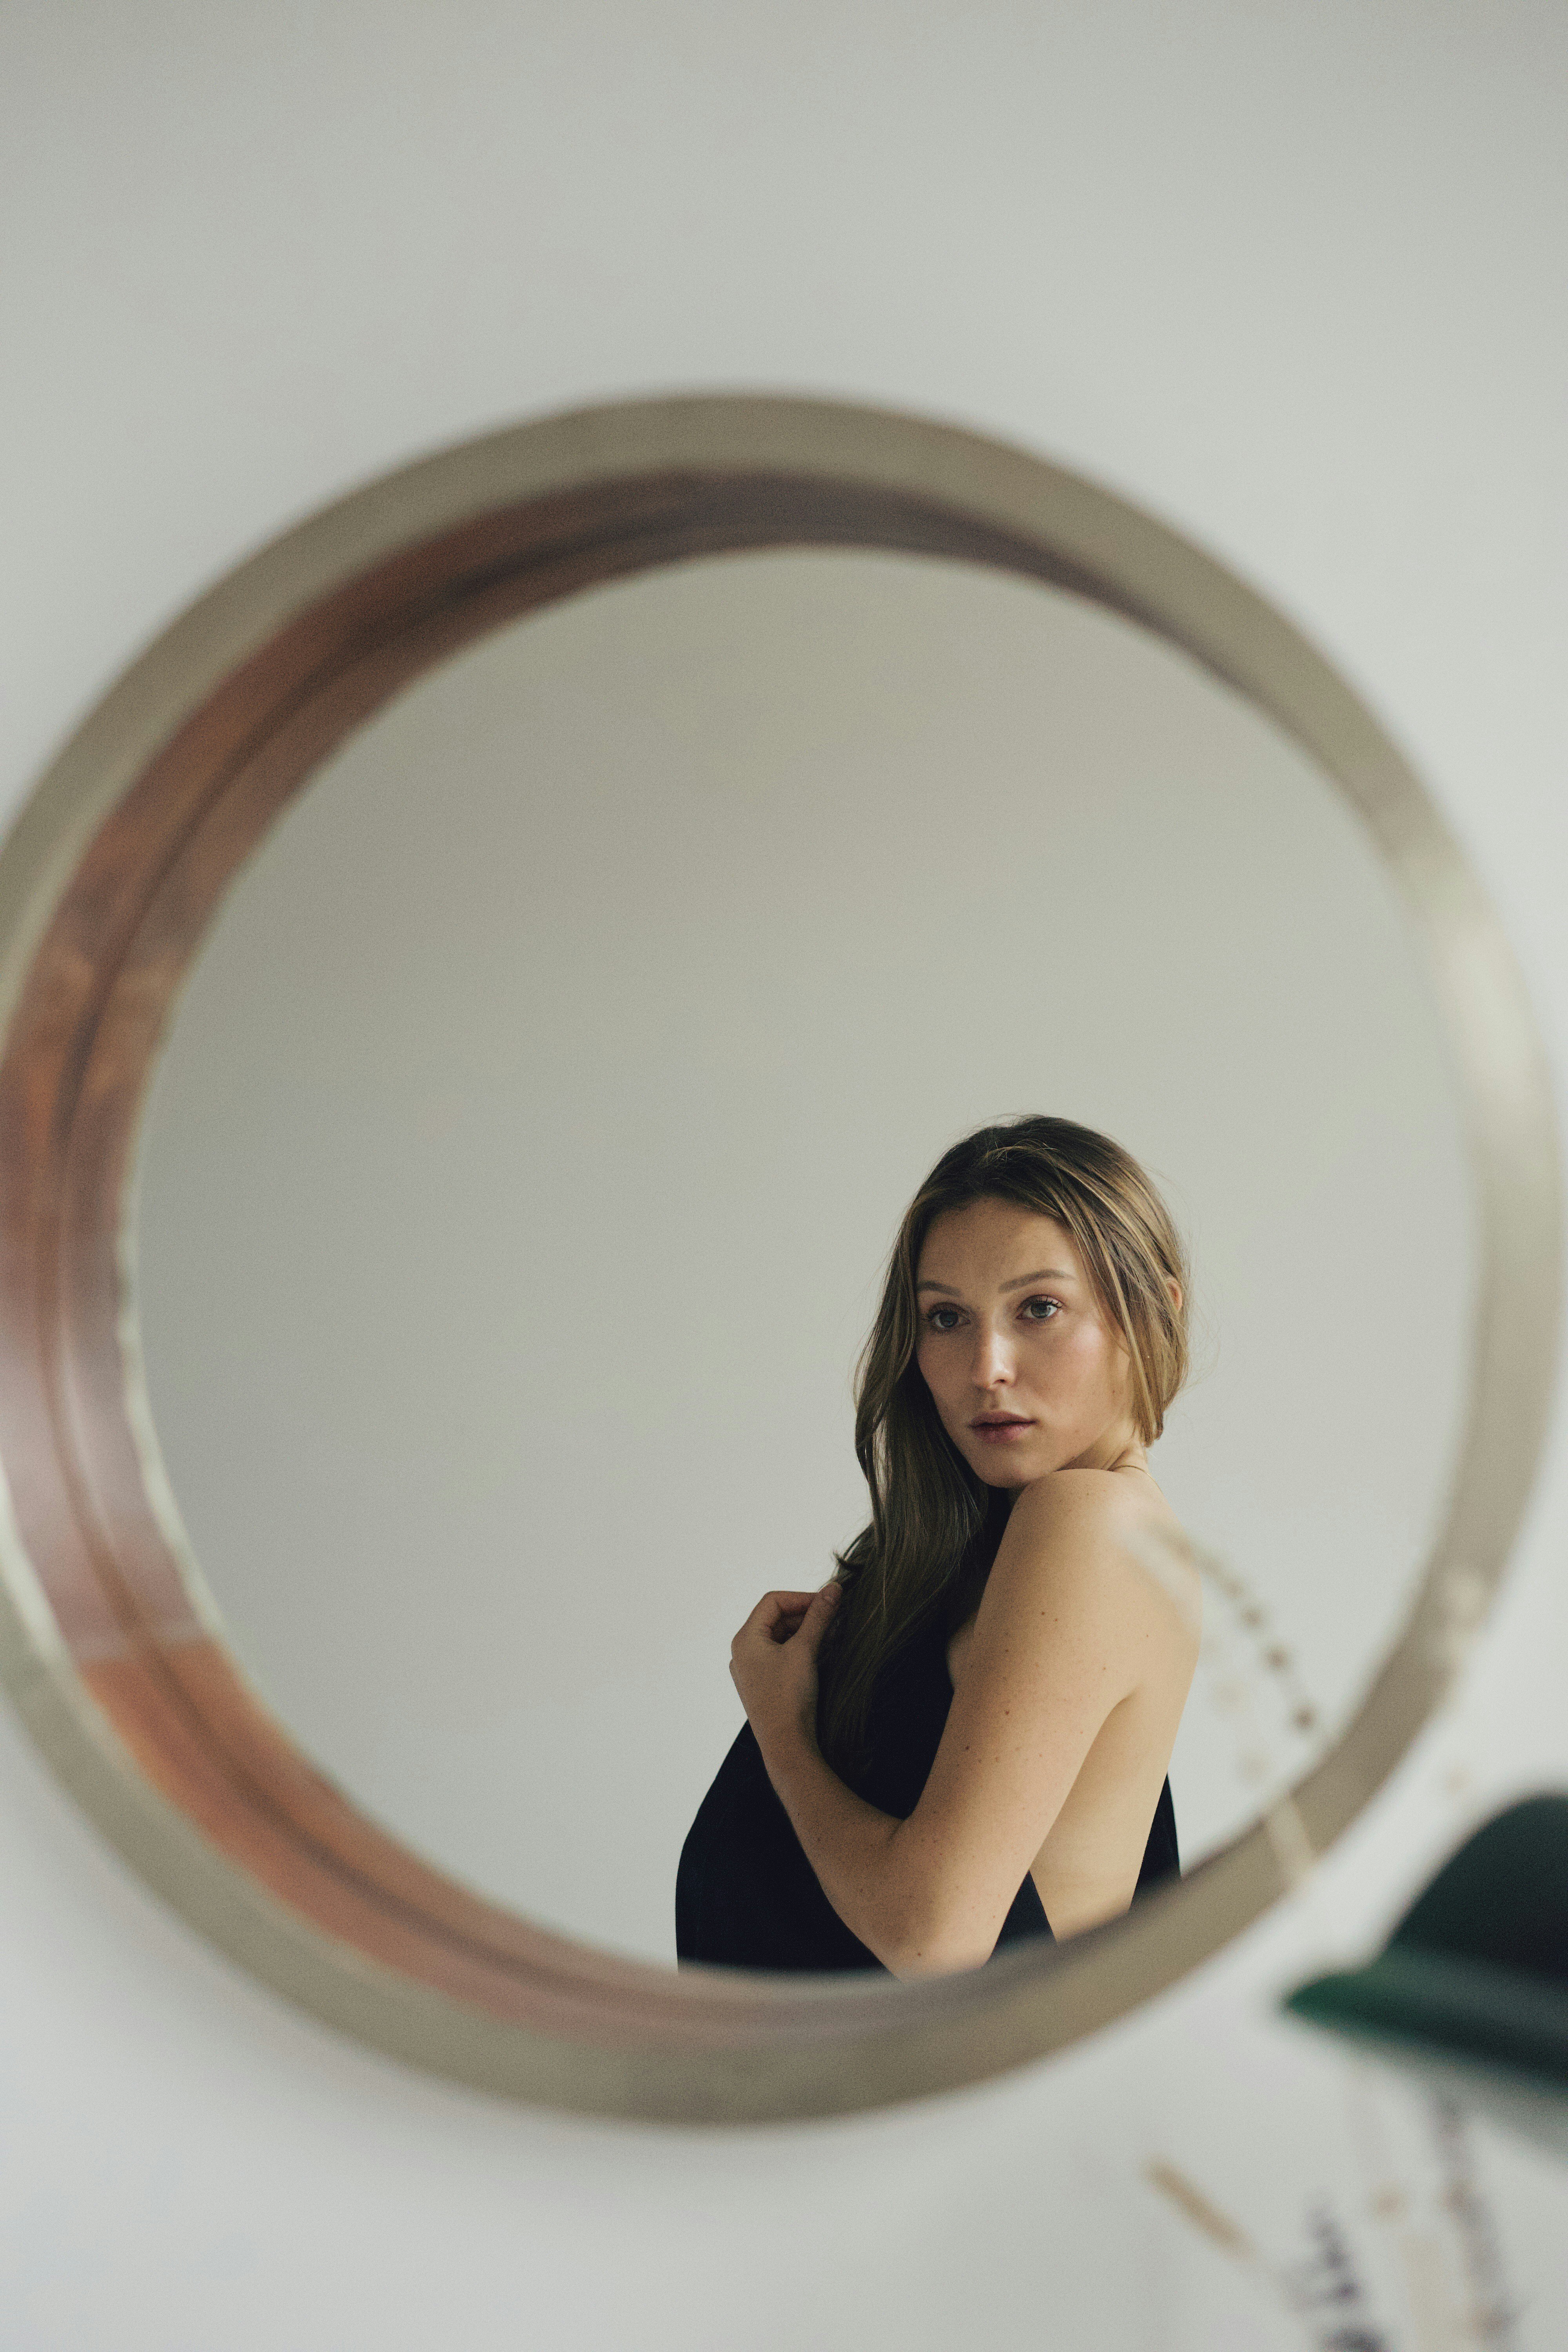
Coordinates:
column 746, row 1896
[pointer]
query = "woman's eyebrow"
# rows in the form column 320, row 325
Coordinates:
column 1045, row 1273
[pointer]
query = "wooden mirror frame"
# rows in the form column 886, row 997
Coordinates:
column 109, row 1641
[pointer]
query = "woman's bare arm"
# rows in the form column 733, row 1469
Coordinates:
column 1065, row 1632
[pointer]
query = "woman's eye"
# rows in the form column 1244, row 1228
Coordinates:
column 934, row 1314
column 1048, row 1307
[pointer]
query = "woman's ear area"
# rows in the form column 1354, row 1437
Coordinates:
column 1174, row 1287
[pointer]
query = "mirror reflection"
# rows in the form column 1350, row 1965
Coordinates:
column 960, row 1741
column 518, row 1180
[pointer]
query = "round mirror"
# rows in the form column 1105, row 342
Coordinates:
column 464, row 1256
column 534, row 1124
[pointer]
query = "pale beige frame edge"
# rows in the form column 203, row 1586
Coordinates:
column 110, row 1647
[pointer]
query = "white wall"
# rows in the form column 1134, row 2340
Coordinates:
column 1290, row 275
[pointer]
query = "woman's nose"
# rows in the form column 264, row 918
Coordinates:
column 993, row 1359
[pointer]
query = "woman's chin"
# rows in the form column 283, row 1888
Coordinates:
column 1009, row 1476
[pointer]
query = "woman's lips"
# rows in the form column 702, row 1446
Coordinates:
column 997, row 1432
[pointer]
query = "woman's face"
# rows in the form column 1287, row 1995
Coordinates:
column 1027, row 1376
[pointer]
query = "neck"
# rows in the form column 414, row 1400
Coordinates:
column 1119, row 1449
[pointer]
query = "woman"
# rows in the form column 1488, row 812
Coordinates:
column 962, row 1740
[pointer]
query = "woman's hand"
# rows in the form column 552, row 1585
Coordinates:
column 772, row 1662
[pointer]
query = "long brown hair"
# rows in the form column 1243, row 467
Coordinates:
column 935, row 1526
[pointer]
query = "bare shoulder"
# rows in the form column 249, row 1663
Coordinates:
column 1099, row 1529
column 1088, row 1502
column 1080, row 1491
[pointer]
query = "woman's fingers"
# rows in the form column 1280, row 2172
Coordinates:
column 778, row 1615
column 819, row 1616
column 772, row 1658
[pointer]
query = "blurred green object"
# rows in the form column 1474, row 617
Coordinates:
column 1471, row 1991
